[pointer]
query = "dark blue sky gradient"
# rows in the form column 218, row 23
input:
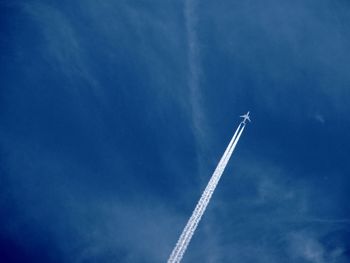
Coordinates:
column 114, row 114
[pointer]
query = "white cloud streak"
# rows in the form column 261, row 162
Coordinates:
column 194, row 70
column 63, row 47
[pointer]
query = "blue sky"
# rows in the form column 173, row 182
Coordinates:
column 114, row 114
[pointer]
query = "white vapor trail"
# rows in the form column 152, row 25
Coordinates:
column 203, row 202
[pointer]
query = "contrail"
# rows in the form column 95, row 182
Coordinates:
column 199, row 210
column 187, row 232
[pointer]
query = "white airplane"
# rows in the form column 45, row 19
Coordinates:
column 245, row 117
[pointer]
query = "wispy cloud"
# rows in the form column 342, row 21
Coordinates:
column 194, row 73
column 84, row 221
column 319, row 118
column 269, row 208
column 306, row 247
column 289, row 51
column 63, row 47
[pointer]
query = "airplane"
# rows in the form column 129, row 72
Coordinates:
column 245, row 117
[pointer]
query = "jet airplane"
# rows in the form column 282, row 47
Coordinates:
column 245, row 117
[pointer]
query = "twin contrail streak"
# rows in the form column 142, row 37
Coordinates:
column 203, row 202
